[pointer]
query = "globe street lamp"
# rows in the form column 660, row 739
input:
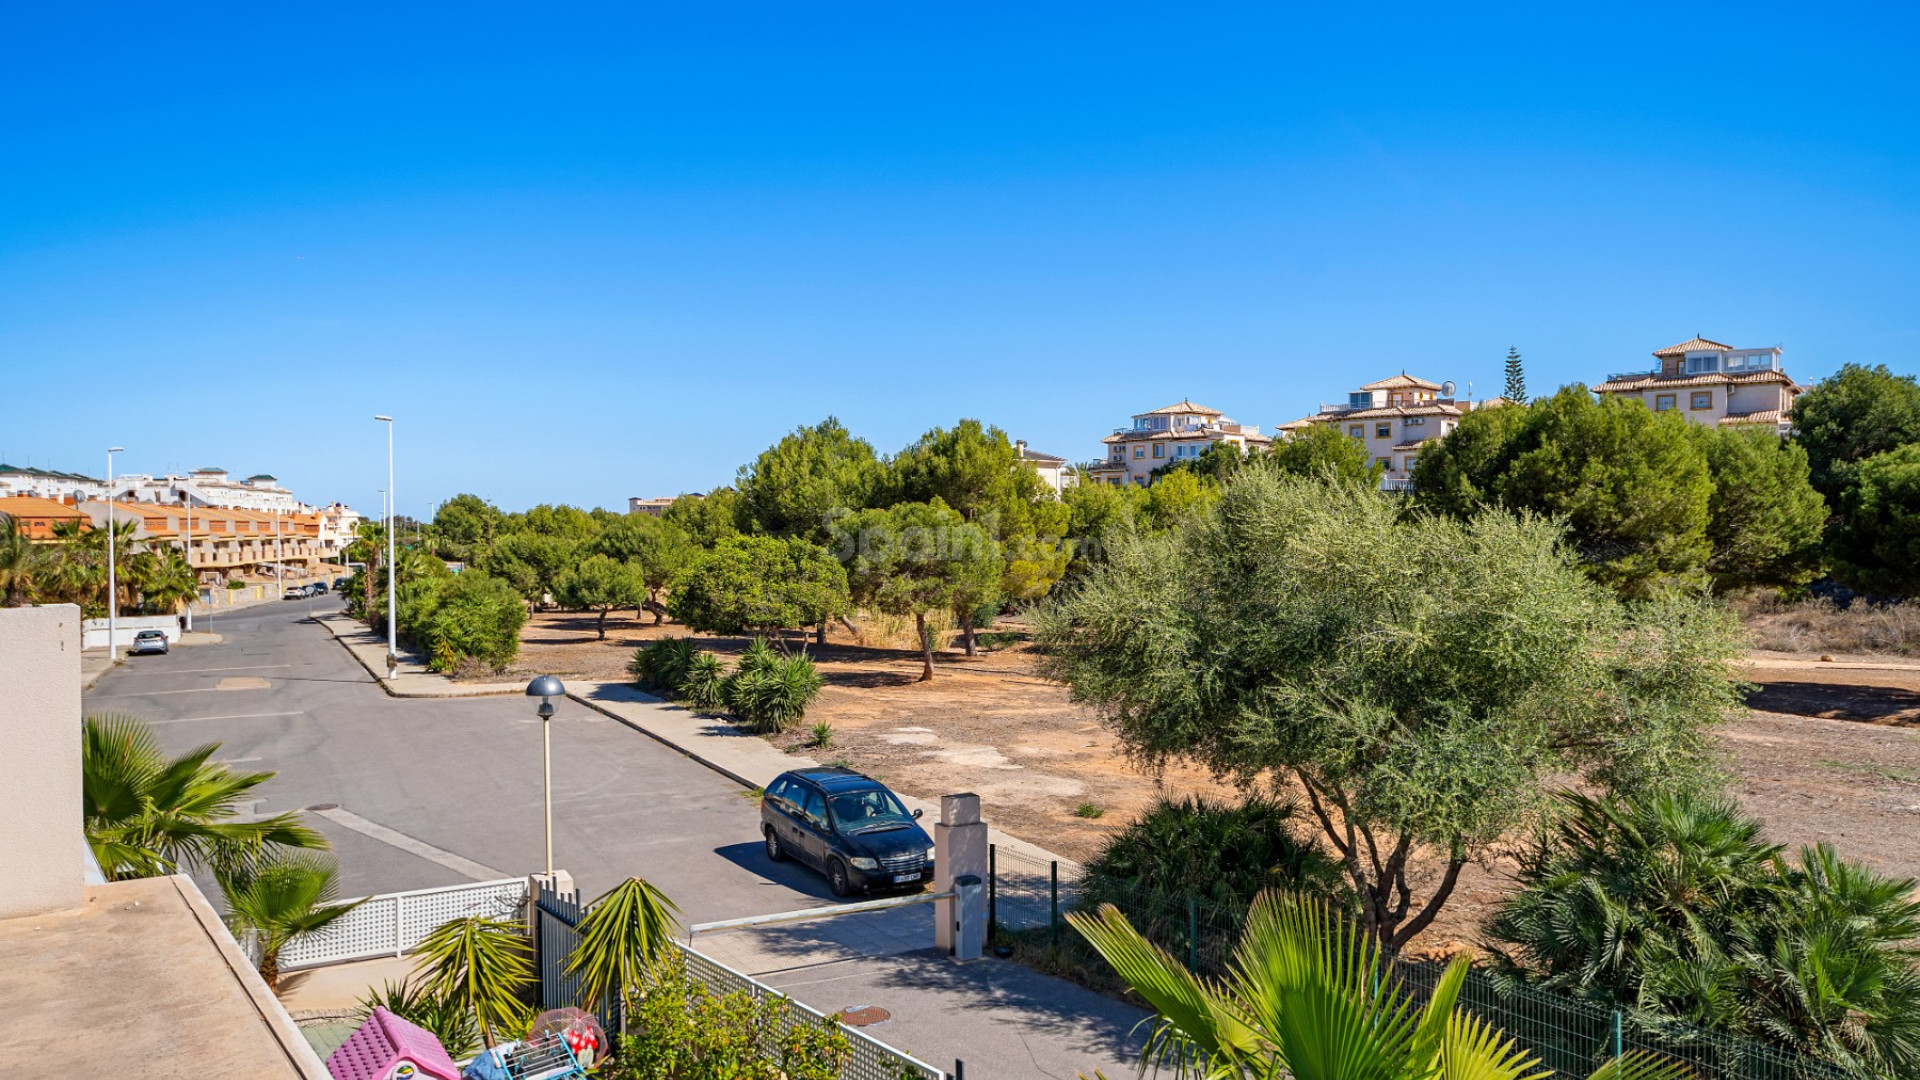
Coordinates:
column 393, row 642
column 113, row 585
column 546, row 688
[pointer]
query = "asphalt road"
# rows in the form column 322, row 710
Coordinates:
column 424, row 792
column 415, row 793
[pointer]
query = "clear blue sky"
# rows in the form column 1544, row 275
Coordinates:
column 589, row 253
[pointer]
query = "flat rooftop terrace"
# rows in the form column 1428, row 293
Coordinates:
column 141, row 981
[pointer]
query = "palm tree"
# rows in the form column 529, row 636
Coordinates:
column 165, row 581
column 622, row 937
column 481, row 965
column 21, row 563
column 279, row 900
column 147, row 814
column 1308, row 997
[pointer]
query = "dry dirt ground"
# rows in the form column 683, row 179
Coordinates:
column 1846, row 771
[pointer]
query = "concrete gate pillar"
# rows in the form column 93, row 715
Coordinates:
column 960, row 866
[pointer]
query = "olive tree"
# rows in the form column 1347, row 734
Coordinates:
column 1426, row 681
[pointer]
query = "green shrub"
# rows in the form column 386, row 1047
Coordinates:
column 684, row 1032
column 1220, row 852
column 706, row 676
column 662, row 666
column 1677, row 908
column 771, row 699
column 757, row 657
column 821, row 736
column 1090, row 811
column 471, row 614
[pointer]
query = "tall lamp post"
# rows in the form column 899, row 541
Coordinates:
column 191, row 572
column 113, row 584
column 393, row 571
column 546, row 688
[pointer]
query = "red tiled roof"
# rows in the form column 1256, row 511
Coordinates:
column 1762, row 416
column 1402, row 381
column 1629, row 383
column 1698, row 344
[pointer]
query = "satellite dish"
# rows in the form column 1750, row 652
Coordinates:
column 1447, row 389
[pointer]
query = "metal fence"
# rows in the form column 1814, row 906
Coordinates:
column 1571, row 1037
column 392, row 923
column 555, row 916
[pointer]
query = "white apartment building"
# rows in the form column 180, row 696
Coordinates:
column 1394, row 418
column 27, row 481
column 212, row 488
column 1179, row 431
column 1713, row 384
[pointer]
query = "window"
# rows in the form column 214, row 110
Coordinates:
column 1141, row 451
column 1159, row 450
column 1704, row 364
column 1407, row 463
column 1663, row 402
column 1415, row 421
column 814, row 809
column 1358, row 431
column 1702, row 399
column 1383, row 431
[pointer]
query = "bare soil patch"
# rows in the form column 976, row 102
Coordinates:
column 1845, row 773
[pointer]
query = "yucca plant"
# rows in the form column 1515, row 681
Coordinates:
column 757, row 657
column 662, row 666
column 409, row 999
column 278, row 900
column 775, row 698
column 482, row 965
column 704, row 682
column 1308, row 996
column 622, row 938
column 146, row 814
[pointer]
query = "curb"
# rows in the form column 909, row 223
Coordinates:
column 384, row 685
column 669, row 743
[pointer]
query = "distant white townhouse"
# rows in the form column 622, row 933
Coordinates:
column 1163, row 436
column 1394, row 419
column 1713, row 384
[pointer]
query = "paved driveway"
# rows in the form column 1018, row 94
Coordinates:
column 416, row 793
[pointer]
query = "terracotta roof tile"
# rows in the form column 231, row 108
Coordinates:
column 1402, row 381
column 1629, row 383
column 1185, row 406
column 1698, row 344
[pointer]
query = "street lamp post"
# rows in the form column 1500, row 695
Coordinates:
column 393, row 640
column 191, row 572
column 546, row 688
column 113, row 584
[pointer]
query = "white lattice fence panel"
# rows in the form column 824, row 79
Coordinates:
column 422, row 911
column 392, row 923
column 367, row 930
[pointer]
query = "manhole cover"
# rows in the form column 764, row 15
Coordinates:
column 324, row 806
column 865, row 1016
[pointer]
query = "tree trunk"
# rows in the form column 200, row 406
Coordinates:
column 820, row 634
column 603, row 623
column 926, row 645
column 966, row 631
column 270, row 971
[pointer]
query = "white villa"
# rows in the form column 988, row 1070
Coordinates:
column 1714, row 384
column 1394, row 418
column 1161, row 437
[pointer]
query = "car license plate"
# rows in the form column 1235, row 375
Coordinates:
column 902, row 879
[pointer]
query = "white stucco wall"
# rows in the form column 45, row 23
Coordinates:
column 42, row 846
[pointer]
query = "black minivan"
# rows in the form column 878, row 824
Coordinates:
column 847, row 826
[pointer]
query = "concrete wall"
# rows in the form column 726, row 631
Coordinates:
column 42, row 846
column 94, row 631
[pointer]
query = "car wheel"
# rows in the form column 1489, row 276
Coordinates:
column 775, row 853
column 837, row 879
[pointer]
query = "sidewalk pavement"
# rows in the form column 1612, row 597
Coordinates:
column 413, row 680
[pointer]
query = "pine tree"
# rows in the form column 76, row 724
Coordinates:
column 1516, row 378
